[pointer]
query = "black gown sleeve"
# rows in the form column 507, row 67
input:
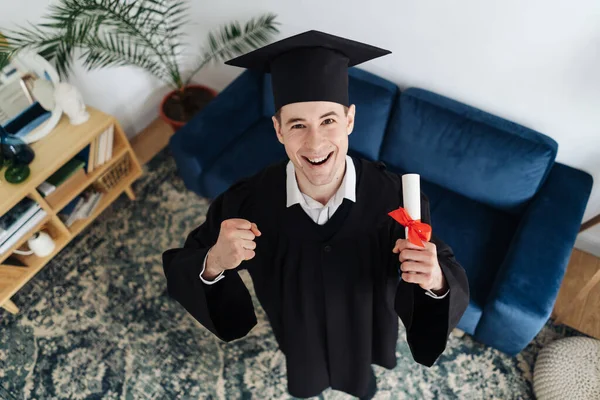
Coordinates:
column 224, row 308
column 430, row 321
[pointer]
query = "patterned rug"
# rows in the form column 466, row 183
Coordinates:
column 96, row 323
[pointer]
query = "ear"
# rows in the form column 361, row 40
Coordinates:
column 350, row 117
column 277, row 129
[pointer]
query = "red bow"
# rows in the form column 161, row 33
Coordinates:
column 418, row 232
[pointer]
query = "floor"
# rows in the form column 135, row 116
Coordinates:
column 97, row 323
column 151, row 140
column 581, row 312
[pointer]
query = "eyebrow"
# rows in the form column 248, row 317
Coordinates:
column 297, row 119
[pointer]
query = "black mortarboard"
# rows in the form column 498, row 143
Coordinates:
column 311, row 66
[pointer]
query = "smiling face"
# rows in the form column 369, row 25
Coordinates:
column 315, row 136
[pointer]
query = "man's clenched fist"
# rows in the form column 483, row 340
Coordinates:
column 234, row 245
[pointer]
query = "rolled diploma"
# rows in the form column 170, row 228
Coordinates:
column 411, row 195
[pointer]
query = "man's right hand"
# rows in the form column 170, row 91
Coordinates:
column 234, row 245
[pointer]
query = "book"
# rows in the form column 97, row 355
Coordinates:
column 68, row 209
column 95, row 203
column 74, row 215
column 102, row 148
column 104, row 145
column 46, row 188
column 105, row 148
column 16, row 217
column 74, row 182
column 109, row 147
column 92, row 156
column 23, row 230
column 86, row 203
column 64, row 172
column 86, row 208
column 98, row 150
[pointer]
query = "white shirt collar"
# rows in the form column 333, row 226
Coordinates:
column 347, row 189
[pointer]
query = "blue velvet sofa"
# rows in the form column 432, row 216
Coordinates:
column 498, row 198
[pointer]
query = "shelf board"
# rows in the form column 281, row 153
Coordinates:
column 52, row 152
column 24, row 238
column 14, row 278
column 118, row 152
column 106, row 200
column 62, row 144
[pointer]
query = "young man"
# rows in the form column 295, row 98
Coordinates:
column 330, row 267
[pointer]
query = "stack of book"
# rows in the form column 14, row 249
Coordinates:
column 18, row 222
column 61, row 183
column 101, row 148
column 81, row 206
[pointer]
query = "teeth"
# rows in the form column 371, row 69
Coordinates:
column 316, row 160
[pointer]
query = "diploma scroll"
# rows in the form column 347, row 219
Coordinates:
column 409, row 216
column 411, row 196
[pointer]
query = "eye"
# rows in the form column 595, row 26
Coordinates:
column 328, row 121
column 297, row 126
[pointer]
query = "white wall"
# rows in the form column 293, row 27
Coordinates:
column 535, row 62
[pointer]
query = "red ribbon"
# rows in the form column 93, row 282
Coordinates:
column 418, row 232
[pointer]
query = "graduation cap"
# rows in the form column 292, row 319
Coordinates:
column 311, row 66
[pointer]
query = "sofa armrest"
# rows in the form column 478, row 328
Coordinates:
column 527, row 284
column 199, row 143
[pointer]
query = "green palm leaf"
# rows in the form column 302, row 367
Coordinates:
column 232, row 40
column 144, row 33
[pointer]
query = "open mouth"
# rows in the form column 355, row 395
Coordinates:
column 318, row 161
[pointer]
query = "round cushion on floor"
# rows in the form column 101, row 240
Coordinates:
column 568, row 369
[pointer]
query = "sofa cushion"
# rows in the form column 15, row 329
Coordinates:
column 476, row 154
column 257, row 148
column 373, row 97
column 478, row 234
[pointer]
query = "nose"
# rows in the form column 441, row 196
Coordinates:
column 313, row 139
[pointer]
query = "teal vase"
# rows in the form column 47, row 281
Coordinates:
column 17, row 155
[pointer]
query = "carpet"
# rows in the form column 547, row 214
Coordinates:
column 96, row 323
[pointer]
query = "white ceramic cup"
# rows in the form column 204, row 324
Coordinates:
column 40, row 244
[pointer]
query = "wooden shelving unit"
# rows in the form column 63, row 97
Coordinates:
column 62, row 144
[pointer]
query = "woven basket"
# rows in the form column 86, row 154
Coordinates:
column 113, row 176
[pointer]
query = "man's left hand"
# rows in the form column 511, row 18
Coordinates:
column 420, row 265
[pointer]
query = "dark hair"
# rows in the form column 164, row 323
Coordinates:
column 278, row 114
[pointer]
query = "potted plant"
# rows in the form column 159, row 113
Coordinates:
column 143, row 33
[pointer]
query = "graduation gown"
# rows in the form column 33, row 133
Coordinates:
column 332, row 292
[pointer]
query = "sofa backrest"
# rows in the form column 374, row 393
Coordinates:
column 466, row 150
column 373, row 97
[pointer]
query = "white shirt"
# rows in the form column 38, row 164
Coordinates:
column 318, row 212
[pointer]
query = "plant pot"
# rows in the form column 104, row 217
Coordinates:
column 177, row 109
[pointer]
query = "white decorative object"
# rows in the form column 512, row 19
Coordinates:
column 43, row 92
column 41, row 244
column 70, row 100
column 27, row 60
column 568, row 369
